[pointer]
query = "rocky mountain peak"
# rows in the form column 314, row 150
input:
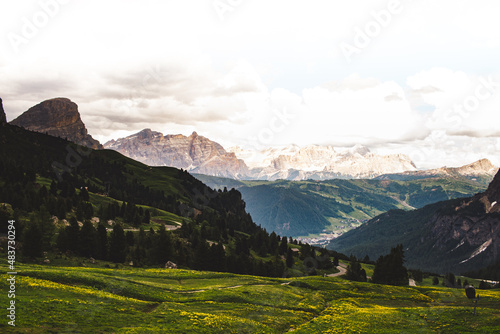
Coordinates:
column 3, row 117
column 57, row 117
column 147, row 134
column 194, row 153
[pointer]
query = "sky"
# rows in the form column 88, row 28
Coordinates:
column 413, row 77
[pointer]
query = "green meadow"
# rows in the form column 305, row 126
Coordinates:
column 52, row 299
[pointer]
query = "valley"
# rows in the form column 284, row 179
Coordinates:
column 318, row 211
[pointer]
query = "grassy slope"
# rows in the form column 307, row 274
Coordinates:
column 64, row 299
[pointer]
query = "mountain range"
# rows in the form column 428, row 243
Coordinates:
column 60, row 117
column 200, row 155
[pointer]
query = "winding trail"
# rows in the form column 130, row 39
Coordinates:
column 342, row 270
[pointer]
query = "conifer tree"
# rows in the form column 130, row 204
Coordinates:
column 32, row 243
column 389, row 268
column 289, row 258
column 117, row 244
column 102, row 242
column 87, row 240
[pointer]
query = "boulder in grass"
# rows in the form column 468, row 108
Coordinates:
column 170, row 265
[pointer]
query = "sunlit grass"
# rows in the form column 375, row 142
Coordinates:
column 132, row 300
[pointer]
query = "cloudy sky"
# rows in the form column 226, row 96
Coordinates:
column 414, row 77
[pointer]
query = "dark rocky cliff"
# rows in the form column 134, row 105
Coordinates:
column 57, row 117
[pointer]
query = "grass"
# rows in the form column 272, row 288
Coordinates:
column 97, row 300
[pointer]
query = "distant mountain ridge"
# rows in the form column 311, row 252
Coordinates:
column 200, row 155
column 58, row 117
column 456, row 235
column 482, row 171
column 194, row 153
column 323, row 162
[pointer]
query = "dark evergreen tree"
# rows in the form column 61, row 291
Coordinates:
column 87, row 240
column 46, row 227
column 283, row 246
column 147, row 217
column 130, row 238
column 84, row 195
column 32, row 243
column 449, row 280
column 72, row 233
column 102, row 242
column 355, row 272
column 289, row 258
column 417, row 275
column 389, row 268
column 117, row 244
column 217, row 257
column 162, row 248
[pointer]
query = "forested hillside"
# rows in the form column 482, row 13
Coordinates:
column 68, row 200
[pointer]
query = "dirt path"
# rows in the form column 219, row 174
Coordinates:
column 402, row 202
column 343, row 269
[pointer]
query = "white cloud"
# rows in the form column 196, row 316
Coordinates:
column 270, row 73
column 463, row 104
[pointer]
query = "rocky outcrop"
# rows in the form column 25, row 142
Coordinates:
column 194, row 153
column 57, row 117
column 472, row 227
column 3, row 117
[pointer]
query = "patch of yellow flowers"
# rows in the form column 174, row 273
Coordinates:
column 44, row 284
